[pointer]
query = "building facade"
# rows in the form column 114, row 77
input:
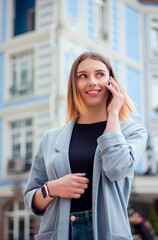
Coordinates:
column 39, row 39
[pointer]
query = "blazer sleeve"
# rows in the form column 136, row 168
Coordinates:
column 121, row 151
column 37, row 178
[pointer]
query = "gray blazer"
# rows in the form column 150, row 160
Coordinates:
column 116, row 157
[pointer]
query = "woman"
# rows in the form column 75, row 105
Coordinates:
column 82, row 172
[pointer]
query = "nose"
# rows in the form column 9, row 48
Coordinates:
column 92, row 81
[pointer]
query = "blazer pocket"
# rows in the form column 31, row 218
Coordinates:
column 117, row 237
column 45, row 236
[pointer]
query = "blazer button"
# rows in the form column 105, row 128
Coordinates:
column 73, row 218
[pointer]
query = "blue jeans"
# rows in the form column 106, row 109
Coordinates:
column 81, row 226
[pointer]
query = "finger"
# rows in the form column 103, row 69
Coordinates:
column 79, row 191
column 76, row 184
column 76, row 195
column 80, row 177
column 83, row 186
column 79, row 174
column 114, row 84
column 83, row 180
column 110, row 88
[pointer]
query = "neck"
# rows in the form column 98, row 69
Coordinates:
column 93, row 116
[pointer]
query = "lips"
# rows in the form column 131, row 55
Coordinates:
column 93, row 91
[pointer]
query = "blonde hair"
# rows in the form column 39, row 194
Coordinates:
column 75, row 105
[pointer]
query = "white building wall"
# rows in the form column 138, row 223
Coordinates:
column 58, row 39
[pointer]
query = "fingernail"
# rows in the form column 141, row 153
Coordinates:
column 84, row 173
column 120, row 90
column 106, row 84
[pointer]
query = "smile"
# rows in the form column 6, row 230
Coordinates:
column 93, row 92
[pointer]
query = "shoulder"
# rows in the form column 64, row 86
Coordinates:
column 133, row 127
column 55, row 132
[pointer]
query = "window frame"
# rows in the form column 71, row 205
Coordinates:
column 21, row 131
column 18, row 62
column 150, row 24
column 155, row 147
column 16, row 214
column 10, row 21
column 98, row 35
column 156, row 30
column 8, row 73
column 152, row 116
column 76, row 22
column 7, row 149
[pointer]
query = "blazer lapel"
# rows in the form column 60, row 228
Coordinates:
column 61, row 161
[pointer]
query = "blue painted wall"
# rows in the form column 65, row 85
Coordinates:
column 115, row 24
column 73, row 8
column 134, row 87
column 90, row 19
column 4, row 21
column 27, row 101
column 1, row 128
column 134, row 91
column 1, row 78
column 69, row 60
column 132, row 32
column 115, row 66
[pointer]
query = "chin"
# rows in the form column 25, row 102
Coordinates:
column 96, row 105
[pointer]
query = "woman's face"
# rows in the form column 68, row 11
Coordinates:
column 91, row 78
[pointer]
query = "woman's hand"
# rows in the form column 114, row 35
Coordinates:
column 117, row 101
column 69, row 186
column 114, row 107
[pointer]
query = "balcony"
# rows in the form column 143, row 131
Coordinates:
column 21, row 90
column 145, row 188
column 18, row 165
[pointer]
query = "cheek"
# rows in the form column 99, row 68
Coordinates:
column 106, row 79
column 80, row 85
column 103, row 80
column 105, row 92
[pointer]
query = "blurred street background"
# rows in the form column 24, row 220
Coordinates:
column 39, row 40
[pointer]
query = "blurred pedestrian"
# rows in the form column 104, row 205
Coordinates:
column 142, row 227
column 82, row 171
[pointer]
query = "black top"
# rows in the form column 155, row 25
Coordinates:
column 81, row 154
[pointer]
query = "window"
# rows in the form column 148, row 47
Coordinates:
column 101, row 18
column 20, row 224
column 154, row 99
column 24, row 16
column 21, row 146
column 154, row 37
column 156, row 151
column 22, row 73
column 150, row 163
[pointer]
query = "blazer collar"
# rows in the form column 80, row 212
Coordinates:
column 64, row 137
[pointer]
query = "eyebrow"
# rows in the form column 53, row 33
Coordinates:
column 99, row 70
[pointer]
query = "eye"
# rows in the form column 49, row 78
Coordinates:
column 82, row 76
column 101, row 74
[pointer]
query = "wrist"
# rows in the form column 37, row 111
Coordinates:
column 113, row 114
column 51, row 188
column 46, row 192
column 113, row 123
